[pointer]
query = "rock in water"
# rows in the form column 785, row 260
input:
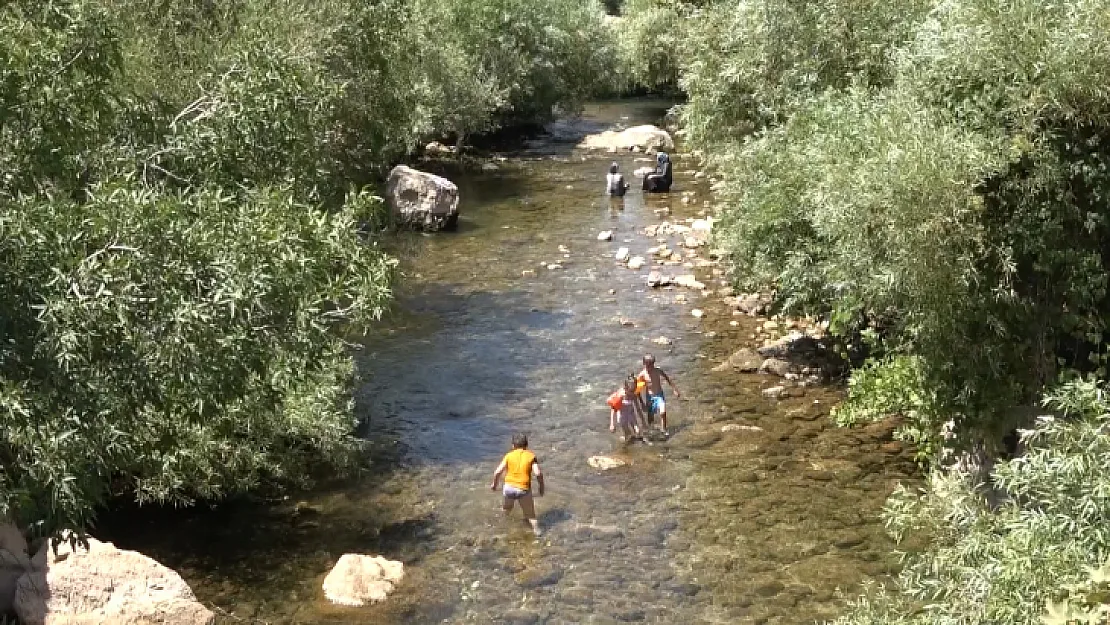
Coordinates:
column 775, row 392
column 357, row 580
column 604, row 463
column 103, row 584
column 622, row 254
column 423, row 200
column 638, row 138
column 605, row 235
column 636, row 262
column 689, row 282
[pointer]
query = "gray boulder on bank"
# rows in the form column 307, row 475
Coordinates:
column 103, row 584
column 422, row 200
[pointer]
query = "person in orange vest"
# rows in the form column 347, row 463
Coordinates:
column 625, row 408
column 518, row 466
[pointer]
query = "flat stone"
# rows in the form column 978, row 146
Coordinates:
column 605, row 235
column 605, row 463
column 735, row 427
column 774, row 392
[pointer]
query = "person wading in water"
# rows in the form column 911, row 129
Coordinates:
column 518, row 466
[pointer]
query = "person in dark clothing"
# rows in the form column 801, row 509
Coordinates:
column 660, row 180
column 614, row 181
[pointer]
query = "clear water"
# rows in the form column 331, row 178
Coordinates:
column 708, row 527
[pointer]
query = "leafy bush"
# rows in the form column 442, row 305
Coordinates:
column 1010, row 564
column 179, row 237
column 176, row 346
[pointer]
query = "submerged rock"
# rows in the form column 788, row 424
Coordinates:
column 536, row 577
column 745, row 360
column 103, row 584
column 423, row 200
column 357, row 580
column 638, row 138
column 605, row 463
column 636, row 262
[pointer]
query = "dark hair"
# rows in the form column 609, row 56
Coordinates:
column 631, row 379
column 649, row 358
column 520, row 440
column 614, row 168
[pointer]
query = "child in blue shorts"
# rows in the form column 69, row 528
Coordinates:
column 656, row 403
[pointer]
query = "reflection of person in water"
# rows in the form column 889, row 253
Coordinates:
column 614, row 181
column 659, row 181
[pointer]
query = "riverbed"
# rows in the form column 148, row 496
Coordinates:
column 760, row 524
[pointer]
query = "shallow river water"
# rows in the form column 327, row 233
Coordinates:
column 709, row 527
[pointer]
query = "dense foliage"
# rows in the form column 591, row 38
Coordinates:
column 182, row 225
column 932, row 177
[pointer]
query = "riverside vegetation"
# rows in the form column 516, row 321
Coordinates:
column 184, row 221
column 932, row 178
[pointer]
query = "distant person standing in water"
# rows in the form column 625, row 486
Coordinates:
column 518, row 466
column 659, row 181
column 652, row 378
column 614, row 181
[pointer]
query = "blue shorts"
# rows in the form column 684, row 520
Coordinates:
column 656, row 404
column 512, row 492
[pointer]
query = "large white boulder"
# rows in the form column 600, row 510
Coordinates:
column 103, row 584
column 643, row 138
column 357, row 580
column 423, row 200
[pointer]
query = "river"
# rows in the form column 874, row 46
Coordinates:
column 708, row 527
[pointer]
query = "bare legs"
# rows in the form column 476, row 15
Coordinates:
column 528, row 507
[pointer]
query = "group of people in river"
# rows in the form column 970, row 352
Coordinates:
column 634, row 406
column 658, row 181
